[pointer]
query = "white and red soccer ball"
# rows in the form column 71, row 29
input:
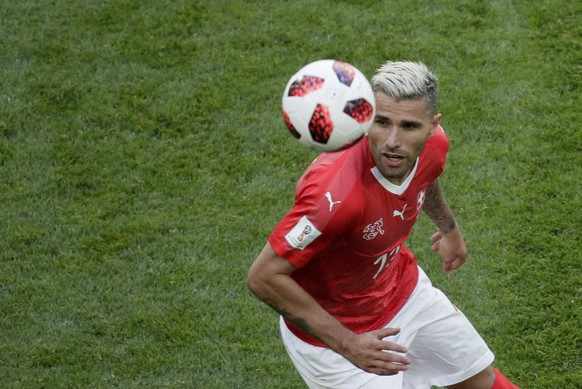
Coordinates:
column 328, row 105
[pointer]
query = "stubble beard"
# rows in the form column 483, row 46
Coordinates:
column 395, row 174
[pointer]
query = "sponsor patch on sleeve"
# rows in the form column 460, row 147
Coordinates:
column 302, row 234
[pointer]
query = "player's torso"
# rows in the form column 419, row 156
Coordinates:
column 381, row 220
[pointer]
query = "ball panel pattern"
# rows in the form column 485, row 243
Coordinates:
column 305, row 85
column 359, row 109
column 345, row 72
column 320, row 125
column 290, row 125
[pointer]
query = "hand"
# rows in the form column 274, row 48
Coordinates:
column 451, row 247
column 371, row 353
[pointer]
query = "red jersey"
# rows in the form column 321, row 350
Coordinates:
column 346, row 230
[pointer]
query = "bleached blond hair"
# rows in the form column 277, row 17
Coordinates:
column 406, row 80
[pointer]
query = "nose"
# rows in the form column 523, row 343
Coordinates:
column 392, row 138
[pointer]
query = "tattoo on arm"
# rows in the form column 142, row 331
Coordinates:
column 437, row 208
column 298, row 321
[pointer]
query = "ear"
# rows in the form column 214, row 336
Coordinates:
column 435, row 122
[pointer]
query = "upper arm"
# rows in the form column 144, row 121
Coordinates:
column 267, row 265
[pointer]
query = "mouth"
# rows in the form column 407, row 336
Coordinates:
column 393, row 159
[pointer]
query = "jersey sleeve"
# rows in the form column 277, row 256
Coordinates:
column 434, row 155
column 440, row 142
column 313, row 223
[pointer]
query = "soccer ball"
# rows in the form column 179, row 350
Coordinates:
column 328, row 105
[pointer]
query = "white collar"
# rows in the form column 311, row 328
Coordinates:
column 390, row 187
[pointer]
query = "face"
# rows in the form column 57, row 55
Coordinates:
column 398, row 135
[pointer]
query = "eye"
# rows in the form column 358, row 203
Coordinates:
column 382, row 121
column 410, row 126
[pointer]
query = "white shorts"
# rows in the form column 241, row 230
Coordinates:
column 442, row 344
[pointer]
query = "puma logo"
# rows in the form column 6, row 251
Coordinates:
column 331, row 202
column 399, row 213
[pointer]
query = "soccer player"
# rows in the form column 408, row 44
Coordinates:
column 356, row 310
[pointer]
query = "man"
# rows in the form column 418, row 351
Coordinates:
column 357, row 311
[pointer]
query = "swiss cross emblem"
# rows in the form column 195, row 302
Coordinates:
column 420, row 199
column 373, row 229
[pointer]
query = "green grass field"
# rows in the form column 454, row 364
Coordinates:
column 143, row 163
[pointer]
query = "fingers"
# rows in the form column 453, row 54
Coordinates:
column 390, row 363
column 387, row 368
column 386, row 332
column 436, row 236
column 452, row 265
column 436, row 240
column 390, row 351
column 386, row 345
column 387, row 362
column 382, row 356
column 449, row 266
column 451, row 248
column 457, row 263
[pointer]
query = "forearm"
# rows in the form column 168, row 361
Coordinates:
column 269, row 279
column 296, row 305
column 437, row 209
column 278, row 290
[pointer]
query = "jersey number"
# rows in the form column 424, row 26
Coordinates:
column 385, row 260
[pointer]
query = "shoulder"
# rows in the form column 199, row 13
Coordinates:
column 433, row 157
column 332, row 188
column 437, row 146
column 343, row 167
column 438, row 140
